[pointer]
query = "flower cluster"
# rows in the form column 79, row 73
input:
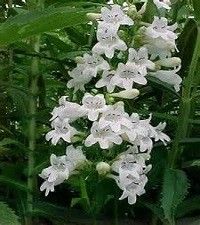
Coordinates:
column 131, row 173
column 61, row 168
column 109, row 123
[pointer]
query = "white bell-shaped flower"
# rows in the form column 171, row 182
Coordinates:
column 106, row 81
column 75, row 155
column 131, row 178
column 134, row 189
column 62, row 130
column 61, row 168
column 166, row 4
column 128, row 74
column 170, row 77
column 140, row 58
column 67, row 110
column 160, row 28
column 115, row 117
column 158, row 47
column 109, row 41
column 93, row 105
column 55, row 174
column 159, row 135
column 115, row 17
column 93, row 64
column 105, row 137
column 79, row 78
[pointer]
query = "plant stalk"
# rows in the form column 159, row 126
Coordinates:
column 33, row 95
column 185, row 106
column 33, row 89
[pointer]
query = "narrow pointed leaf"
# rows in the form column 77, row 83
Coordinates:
column 37, row 22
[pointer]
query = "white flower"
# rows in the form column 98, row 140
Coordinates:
column 56, row 174
column 93, row 64
column 144, row 143
column 159, row 47
column 160, row 38
column 115, row 17
column 61, row 168
column 162, row 4
column 67, row 110
column 115, row 117
column 105, row 137
column 140, row 133
column 79, row 79
column 160, row 28
column 131, row 178
column 170, row 77
column 159, row 135
column 108, row 42
column 93, row 105
column 136, row 187
column 140, row 58
column 102, row 168
column 128, row 74
column 62, row 130
column 75, row 155
column 106, row 81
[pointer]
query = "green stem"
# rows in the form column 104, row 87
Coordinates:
column 116, row 211
column 84, row 195
column 185, row 106
column 32, row 128
column 154, row 220
column 33, row 92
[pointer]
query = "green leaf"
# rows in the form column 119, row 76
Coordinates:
column 150, row 11
column 188, row 206
column 155, row 209
column 175, row 189
column 190, row 140
column 196, row 5
column 7, row 215
column 13, row 184
column 75, row 201
column 37, row 22
column 50, row 211
column 154, row 82
column 7, row 141
column 191, row 163
column 186, row 44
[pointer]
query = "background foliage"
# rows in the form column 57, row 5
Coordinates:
column 39, row 41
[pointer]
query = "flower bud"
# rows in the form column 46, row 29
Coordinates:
column 132, row 11
column 103, row 168
column 93, row 16
column 169, row 62
column 79, row 59
column 126, row 94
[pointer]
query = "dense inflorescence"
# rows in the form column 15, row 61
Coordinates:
column 110, row 124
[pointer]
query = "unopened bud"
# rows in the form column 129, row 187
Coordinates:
column 93, row 16
column 126, row 94
column 79, row 59
column 132, row 11
column 169, row 62
column 103, row 168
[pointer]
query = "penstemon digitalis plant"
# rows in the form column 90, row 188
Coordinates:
column 106, row 118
